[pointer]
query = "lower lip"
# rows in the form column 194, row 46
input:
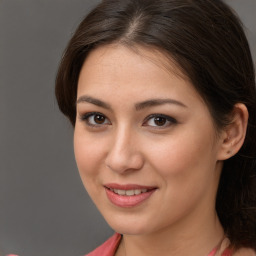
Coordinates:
column 128, row 201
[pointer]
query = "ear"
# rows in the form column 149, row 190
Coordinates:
column 232, row 137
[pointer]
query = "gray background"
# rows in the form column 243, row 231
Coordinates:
column 44, row 209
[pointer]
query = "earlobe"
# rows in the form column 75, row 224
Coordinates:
column 234, row 134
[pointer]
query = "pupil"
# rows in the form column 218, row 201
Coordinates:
column 160, row 121
column 99, row 119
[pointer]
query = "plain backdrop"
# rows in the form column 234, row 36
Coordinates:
column 44, row 209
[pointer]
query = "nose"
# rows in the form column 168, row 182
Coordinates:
column 124, row 152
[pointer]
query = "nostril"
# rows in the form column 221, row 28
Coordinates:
column 123, row 154
column 123, row 164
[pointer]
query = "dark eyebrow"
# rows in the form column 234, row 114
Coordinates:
column 94, row 101
column 157, row 102
column 138, row 106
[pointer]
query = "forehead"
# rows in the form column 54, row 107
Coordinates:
column 122, row 78
column 107, row 55
column 116, row 72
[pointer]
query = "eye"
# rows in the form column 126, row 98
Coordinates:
column 95, row 119
column 159, row 120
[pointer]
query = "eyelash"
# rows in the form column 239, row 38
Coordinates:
column 168, row 119
column 86, row 117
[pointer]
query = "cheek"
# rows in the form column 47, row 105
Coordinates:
column 186, row 166
column 87, row 154
column 183, row 155
column 88, row 158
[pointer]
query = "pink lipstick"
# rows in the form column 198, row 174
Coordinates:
column 129, row 195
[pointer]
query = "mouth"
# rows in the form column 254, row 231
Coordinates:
column 130, row 192
column 128, row 195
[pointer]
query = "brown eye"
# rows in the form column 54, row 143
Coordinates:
column 160, row 121
column 95, row 119
column 99, row 119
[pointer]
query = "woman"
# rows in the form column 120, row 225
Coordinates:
column 162, row 98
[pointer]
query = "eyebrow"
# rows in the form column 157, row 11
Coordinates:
column 157, row 102
column 94, row 101
column 138, row 106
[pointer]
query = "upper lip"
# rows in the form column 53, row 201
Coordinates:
column 128, row 186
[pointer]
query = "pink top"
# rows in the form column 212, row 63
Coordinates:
column 110, row 246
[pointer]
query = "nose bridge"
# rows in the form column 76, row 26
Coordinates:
column 122, row 139
column 124, row 153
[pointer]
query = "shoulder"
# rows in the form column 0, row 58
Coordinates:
column 225, row 250
column 244, row 252
column 108, row 248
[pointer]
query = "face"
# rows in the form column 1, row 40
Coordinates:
column 144, row 141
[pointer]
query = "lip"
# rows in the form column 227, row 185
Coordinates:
column 128, row 201
column 127, row 186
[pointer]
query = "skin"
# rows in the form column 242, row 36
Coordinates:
column 182, row 158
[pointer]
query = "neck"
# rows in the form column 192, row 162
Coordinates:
column 197, row 240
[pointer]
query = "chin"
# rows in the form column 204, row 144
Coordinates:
column 129, row 230
column 128, row 225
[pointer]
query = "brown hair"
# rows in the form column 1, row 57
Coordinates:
column 206, row 40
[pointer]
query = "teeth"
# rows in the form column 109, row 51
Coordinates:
column 121, row 192
column 137, row 191
column 131, row 192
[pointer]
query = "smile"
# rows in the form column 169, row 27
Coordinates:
column 128, row 192
column 128, row 195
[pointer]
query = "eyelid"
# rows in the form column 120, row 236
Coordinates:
column 86, row 116
column 170, row 119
